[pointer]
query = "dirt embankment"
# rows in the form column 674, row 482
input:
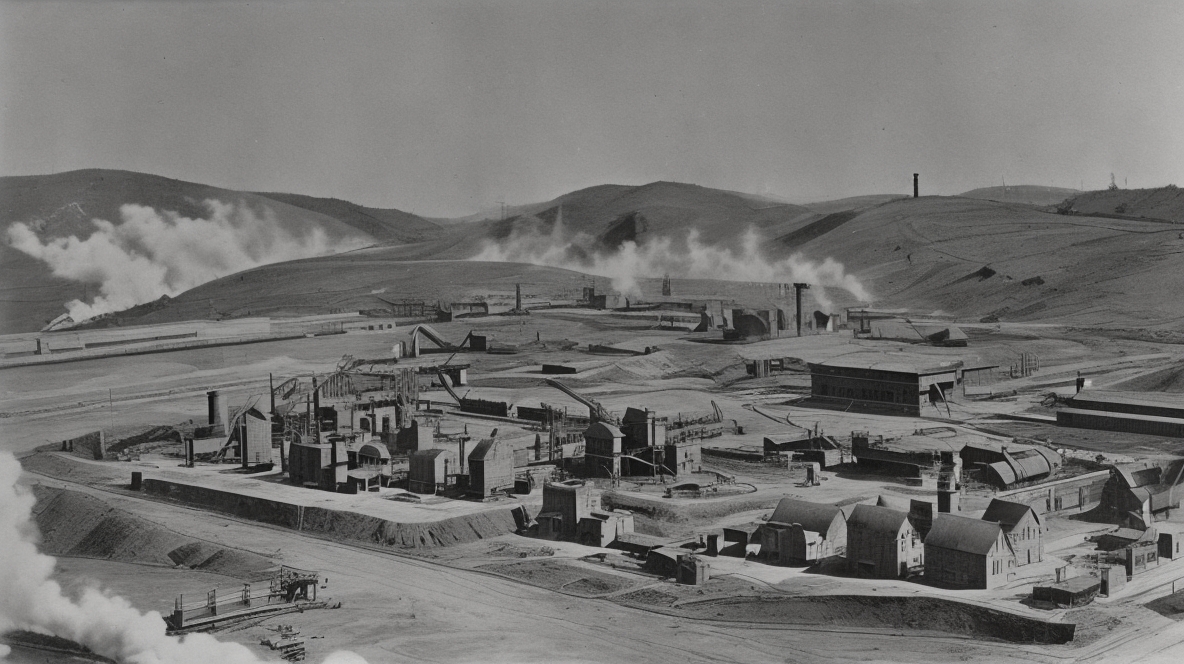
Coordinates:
column 338, row 524
column 865, row 611
column 73, row 523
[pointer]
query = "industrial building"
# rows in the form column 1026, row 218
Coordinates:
column 318, row 465
column 961, row 552
column 602, row 450
column 1005, row 466
column 1023, row 529
column 428, row 470
column 881, row 543
column 888, row 388
column 491, row 468
column 801, row 532
column 1077, row 493
column 1149, row 413
column 565, row 504
column 1136, row 492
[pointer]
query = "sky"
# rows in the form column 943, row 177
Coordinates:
column 446, row 107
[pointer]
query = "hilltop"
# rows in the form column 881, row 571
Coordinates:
column 63, row 205
column 1022, row 193
column 986, row 260
column 1164, row 203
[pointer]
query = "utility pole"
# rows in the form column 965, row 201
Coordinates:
column 798, row 288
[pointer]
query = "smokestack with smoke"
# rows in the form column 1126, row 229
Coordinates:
column 153, row 253
column 108, row 625
column 691, row 259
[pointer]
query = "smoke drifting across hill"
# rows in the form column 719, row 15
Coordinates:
column 157, row 252
column 108, row 625
column 690, row 258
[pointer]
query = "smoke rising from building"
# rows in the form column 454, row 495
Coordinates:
column 107, row 624
column 688, row 259
column 152, row 252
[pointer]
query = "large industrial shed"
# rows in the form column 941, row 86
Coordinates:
column 961, row 552
column 1148, row 413
column 428, row 470
column 803, row 532
column 882, row 387
column 881, row 542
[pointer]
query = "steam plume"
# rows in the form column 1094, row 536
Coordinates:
column 691, row 259
column 153, row 253
column 108, row 625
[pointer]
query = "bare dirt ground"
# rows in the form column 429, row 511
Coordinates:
column 504, row 599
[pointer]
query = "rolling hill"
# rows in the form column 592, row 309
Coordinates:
column 1022, row 193
column 1163, row 203
column 63, row 205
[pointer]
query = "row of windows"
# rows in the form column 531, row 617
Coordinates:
column 886, row 396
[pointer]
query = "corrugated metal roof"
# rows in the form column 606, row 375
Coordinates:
column 814, row 517
column 1004, row 471
column 960, row 533
column 877, row 519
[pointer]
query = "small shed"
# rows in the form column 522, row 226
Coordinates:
column 491, row 468
column 428, row 469
column 1077, row 591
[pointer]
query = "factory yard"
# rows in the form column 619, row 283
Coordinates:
column 434, row 556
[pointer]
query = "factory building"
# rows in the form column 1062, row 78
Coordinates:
column 801, row 532
column 888, row 388
column 491, row 468
column 881, row 543
column 565, row 504
column 961, row 552
column 1147, row 413
column 602, row 450
column 428, row 470
column 318, row 465
column 1022, row 527
column 1137, row 492
column 1009, row 466
column 1078, row 493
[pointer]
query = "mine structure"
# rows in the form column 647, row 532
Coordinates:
column 289, row 590
column 475, row 406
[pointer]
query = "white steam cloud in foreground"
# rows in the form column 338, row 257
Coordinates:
column 153, row 253
column 108, row 625
column 659, row 256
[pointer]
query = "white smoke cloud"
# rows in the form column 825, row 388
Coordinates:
column 153, row 253
column 108, row 625
column 691, row 259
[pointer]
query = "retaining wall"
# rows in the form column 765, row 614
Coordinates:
column 339, row 524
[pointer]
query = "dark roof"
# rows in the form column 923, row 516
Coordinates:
column 1156, row 399
column 814, row 517
column 877, row 519
column 430, row 454
column 1007, row 513
column 961, row 533
column 483, row 450
column 603, row 430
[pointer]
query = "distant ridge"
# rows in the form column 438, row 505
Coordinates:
column 1029, row 194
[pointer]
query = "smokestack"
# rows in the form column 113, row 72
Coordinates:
column 916, row 185
column 315, row 420
column 217, row 408
column 518, row 297
column 798, row 288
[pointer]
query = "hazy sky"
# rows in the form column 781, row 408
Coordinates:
column 444, row 107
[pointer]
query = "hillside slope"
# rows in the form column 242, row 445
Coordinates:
column 980, row 259
column 384, row 225
column 1166, row 203
column 54, row 208
column 1022, row 193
